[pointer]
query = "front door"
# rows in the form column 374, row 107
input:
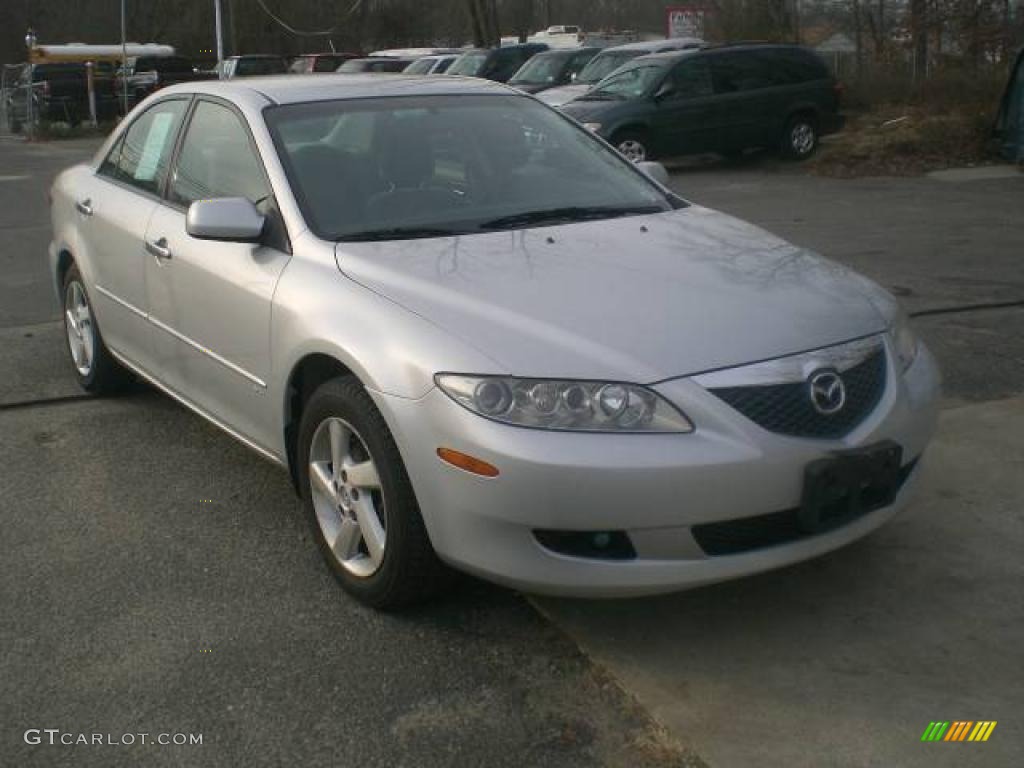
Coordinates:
column 210, row 301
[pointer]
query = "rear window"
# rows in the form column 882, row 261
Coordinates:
column 260, row 67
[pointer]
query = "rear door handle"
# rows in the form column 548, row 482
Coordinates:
column 159, row 248
column 84, row 207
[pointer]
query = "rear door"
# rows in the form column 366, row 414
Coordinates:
column 742, row 87
column 113, row 210
column 210, row 301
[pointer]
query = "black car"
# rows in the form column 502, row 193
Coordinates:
column 721, row 99
column 252, row 65
column 148, row 74
column 498, row 64
column 60, row 93
column 552, row 68
column 377, row 64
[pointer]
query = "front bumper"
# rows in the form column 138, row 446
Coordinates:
column 653, row 487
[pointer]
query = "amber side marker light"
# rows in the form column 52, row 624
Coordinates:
column 467, row 462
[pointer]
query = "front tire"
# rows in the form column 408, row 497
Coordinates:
column 635, row 146
column 360, row 501
column 95, row 368
column 800, row 137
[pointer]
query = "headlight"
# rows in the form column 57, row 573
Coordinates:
column 588, row 406
column 595, row 127
column 904, row 341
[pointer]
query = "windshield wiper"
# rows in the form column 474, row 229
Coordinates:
column 399, row 233
column 600, row 96
column 568, row 214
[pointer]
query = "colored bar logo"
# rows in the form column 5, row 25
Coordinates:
column 959, row 730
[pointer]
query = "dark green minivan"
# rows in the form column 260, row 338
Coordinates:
column 721, row 99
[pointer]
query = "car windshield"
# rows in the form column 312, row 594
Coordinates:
column 541, row 70
column 468, row 64
column 604, row 64
column 430, row 166
column 420, row 66
column 630, row 83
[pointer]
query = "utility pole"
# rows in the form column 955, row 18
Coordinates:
column 30, row 43
column 124, row 55
column 220, row 37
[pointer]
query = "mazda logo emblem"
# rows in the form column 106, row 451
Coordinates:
column 827, row 392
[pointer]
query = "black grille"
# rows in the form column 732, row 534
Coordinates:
column 731, row 537
column 787, row 408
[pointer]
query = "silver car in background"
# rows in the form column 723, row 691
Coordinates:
column 478, row 337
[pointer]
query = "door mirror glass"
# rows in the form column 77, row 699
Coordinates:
column 655, row 170
column 664, row 90
column 225, row 218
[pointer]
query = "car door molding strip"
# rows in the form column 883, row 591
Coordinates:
column 182, row 337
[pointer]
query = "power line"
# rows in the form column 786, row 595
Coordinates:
column 303, row 33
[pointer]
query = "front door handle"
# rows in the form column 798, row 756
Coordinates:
column 159, row 248
column 84, row 207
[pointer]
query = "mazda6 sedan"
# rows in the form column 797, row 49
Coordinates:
column 479, row 338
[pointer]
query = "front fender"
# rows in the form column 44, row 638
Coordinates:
column 318, row 310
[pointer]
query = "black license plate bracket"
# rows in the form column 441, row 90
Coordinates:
column 848, row 484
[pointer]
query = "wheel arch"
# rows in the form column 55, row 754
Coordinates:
column 308, row 373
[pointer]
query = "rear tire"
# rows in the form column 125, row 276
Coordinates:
column 387, row 560
column 800, row 137
column 634, row 145
column 95, row 368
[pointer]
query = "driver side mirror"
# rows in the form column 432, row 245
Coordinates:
column 665, row 90
column 234, row 219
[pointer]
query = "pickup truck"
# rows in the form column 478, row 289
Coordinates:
column 59, row 94
column 147, row 74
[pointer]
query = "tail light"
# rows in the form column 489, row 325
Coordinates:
column 839, row 89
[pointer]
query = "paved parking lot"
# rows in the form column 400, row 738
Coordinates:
column 155, row 576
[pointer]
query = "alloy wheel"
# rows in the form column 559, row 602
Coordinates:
column 802, row 138
column 79, row 327
column 347, row 497
column 633, row 150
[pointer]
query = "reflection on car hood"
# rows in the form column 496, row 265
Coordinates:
column 697, row 290
column 590, row 111
column 556, row 97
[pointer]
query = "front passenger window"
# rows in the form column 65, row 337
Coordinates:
column 216, row 159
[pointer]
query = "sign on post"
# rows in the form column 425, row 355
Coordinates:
column 686, row 20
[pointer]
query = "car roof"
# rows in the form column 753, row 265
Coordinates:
column 553, row 53
column 677, row 43
column 294, row 89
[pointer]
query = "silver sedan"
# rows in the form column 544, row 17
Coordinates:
column 479, row 338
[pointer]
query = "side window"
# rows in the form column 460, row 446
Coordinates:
column 141, row 156
column 216, row 159
column 691, row 78
column 736, row 72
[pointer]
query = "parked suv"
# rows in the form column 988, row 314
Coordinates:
column 723, row 99
column 498, row 64
column 609, row 60
column 60, row 94
column 552, row 68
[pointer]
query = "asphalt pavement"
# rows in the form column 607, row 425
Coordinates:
column 156, row 577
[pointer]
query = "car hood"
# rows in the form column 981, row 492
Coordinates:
column 529, row 87
column 556, row 97
column 586, row 111
column 642, row 299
